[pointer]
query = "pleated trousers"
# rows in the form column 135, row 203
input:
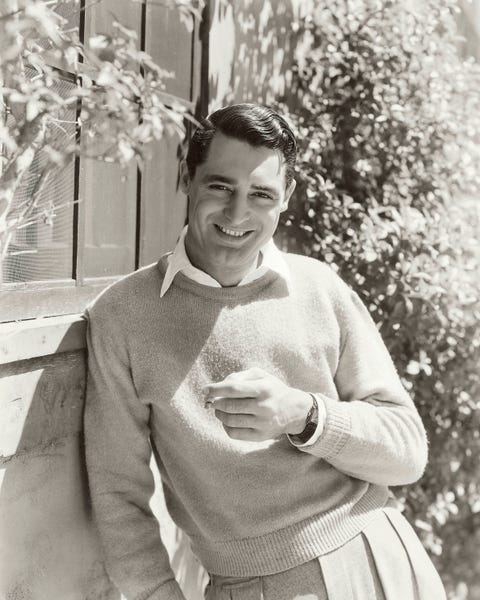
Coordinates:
column 386, row 561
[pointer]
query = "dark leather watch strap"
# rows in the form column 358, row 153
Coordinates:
column 310, row 424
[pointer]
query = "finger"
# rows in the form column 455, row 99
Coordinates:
column 251, row 373
column 246, row 375
column 244, row 406
column 240, row 421
column 240, row 433
column 233, row 389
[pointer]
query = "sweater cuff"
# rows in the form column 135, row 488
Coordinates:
column 336, row 430
column 170, row 590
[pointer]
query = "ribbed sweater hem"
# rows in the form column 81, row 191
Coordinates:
column 291, row 546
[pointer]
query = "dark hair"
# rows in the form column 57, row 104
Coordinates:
column 251, row 123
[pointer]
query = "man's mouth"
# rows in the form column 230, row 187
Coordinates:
column 234, row 233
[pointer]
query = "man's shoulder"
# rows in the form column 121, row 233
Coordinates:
column 320, row 281
column 131, row 292
column 311, row 269
column 304, row 261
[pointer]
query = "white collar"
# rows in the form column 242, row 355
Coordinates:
column 178, row 261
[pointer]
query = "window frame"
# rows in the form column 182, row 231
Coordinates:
column 28, row 300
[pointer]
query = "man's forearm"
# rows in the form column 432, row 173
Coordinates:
column 369, row 440
column 372, row 430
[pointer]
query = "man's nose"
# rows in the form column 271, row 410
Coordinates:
column 237, row 210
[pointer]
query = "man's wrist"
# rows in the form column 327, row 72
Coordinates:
column 298, row 426
column 312, row 427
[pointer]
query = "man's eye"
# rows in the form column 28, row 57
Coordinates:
column 219, row 187
column 263, row 196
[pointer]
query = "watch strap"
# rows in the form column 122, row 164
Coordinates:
column 311, row 423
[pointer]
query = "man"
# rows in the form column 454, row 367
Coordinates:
column 261, row 384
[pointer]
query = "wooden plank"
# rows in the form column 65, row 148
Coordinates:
column 108, row 218
column 164, row 207
column 41, row 301
column 41, row 337
column 108, row 193
column 41, row 403
column 169, row 43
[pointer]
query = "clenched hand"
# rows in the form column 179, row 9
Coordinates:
column 256, row 406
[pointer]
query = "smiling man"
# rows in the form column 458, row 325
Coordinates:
column 262, row 386
column 236, row 198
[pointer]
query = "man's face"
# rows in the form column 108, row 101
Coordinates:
column 235, row 200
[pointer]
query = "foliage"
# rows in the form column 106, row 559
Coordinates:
column 118, row 97
column 388, row 118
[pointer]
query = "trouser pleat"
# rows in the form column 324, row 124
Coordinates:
column 428, row 582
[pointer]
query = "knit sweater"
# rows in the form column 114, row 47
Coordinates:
column 249, row 508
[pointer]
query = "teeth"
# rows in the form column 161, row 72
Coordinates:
column 231, row 232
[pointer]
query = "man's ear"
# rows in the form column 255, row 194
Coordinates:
column 288, row 195
column 185, row 180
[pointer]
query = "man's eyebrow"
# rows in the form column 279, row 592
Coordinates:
column 230, row 181
column 221, row 178
column 265, row 188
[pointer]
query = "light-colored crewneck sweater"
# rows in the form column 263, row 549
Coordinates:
column 249, row 508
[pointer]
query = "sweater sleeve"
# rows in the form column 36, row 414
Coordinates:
column 373, row 432
column 118, row 451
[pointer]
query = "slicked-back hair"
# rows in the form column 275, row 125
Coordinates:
column 257, row 125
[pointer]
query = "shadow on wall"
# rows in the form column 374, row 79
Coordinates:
column 49, row 549
column 251, row 50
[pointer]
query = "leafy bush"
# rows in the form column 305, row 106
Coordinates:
column 388, row 118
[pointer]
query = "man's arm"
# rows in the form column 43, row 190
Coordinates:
column 375, row 432
column 121, row 483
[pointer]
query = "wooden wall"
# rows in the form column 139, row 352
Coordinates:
column 250, row 49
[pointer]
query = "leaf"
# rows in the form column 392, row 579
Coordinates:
column 126, row 151
column 370, row 255
column 413, row 367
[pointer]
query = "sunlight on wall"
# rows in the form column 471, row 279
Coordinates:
column 251, row 49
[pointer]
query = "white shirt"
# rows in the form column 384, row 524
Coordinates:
column 271, row 259
column 178, row 261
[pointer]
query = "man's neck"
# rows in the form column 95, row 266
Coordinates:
column 230, row 278
column 226, row 278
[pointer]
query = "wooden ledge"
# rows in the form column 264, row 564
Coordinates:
column 41, row 337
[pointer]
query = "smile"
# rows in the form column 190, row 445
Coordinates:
column 232, row 232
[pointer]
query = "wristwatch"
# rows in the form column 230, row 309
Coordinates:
column 311, row 423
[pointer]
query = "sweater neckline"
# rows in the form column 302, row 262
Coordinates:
column 238, row 292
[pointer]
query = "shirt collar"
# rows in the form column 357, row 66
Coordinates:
column 178, row 261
